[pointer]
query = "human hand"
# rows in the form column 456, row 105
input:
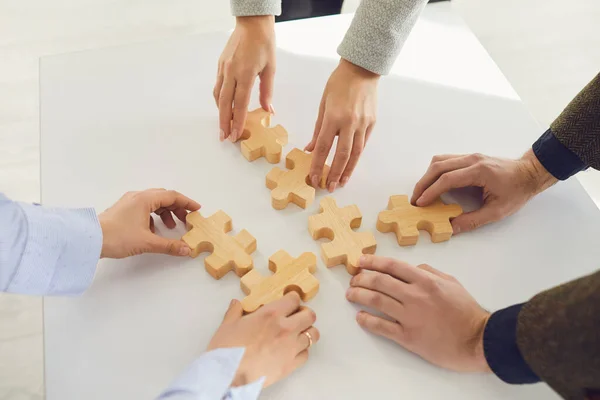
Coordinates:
column 434, row 316
column 507, row 184
column 348, row 110
column 273, row 337
column 250, row 52
column 128, row 227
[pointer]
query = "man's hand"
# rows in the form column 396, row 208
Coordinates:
column 273, row 336
column 128, row 227
column 250, row 52
column 507, row 184
column 432, row 313
column 348, row 110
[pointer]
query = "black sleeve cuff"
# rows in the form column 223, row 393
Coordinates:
column 556, row 158
column 501, row 350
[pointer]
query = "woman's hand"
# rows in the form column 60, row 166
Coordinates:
column 274, row 338
column 128, row 227
column 250, row 52
column 507, row 184
column 348, row 110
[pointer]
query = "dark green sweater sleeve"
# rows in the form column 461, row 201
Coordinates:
column 578, row 126
column 558, row 334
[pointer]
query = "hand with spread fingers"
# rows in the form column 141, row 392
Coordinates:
column 128, row 227
column 276, row 338
column 348, row 110
column 507, row 184
column 249, row 53
column 431, row 313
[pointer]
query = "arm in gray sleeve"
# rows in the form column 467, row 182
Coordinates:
column 247, row 8
column 378, row 32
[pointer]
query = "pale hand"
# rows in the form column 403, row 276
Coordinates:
column 348, row 110
column 272, row 336
column 433, row 314
column 250, row 52
column 128, row 227
column 507, row 184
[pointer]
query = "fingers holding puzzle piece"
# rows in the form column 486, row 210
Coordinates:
column 338, row 224
column 289, row 274
column 406, row 220
column 292, row 185
column 228, row 252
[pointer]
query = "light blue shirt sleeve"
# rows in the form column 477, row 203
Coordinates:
column 210, row 377
column 47, row 251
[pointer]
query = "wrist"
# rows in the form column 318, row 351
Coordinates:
column 358, row 71
column 536, row 175
column 480, row 362
column 105, row 235
column 265, row 22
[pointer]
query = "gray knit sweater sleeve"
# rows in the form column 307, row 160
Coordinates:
column 245, row 8
column 378, row 32
column 376, row 36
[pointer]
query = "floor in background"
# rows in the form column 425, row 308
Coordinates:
column 548, row 49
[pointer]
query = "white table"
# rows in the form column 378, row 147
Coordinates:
column 142, row 116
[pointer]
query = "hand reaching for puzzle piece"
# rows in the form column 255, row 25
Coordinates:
column 406, row 220
column 337, row 224
column 292, row 185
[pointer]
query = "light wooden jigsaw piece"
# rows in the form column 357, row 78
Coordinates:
column 337, row 224
column 228, row 252
column 406, row 220
column 291, row 186
column 289, row 274
column 261, row 140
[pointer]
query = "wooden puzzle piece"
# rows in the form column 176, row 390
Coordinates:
column 289, row 274
column 292, row 185
column 406, row 220
column 228, row 252
column 261, row 140
column 337, row 224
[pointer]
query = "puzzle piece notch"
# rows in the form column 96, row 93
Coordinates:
column 227, row 252
column 293, row 185
column 406, row 220
column 288, row 274
column 259, row 139
column 337, row 224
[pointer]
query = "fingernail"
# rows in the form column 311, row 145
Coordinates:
column 233, row 136
column 344, row 181
column 456, row 229
column 221, row 135
column 362, row 261
column 272, row 109
column 352, row 281
column 315, row 181
column 184, row 251
column 332, row 186
column 420, row 201
column 348, row 293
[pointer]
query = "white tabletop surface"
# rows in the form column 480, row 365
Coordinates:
column 142, row 116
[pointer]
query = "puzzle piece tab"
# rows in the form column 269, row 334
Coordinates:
column 261, row 140
column 228, row 252
column 291, row 185
column 406, row 220
column 289, row 274
column 337, row 224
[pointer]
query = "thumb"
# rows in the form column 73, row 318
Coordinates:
column 234, row 312
column 171, row 247
column 267, row 79
column 476, row 219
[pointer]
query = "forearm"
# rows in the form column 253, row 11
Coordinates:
column 572, row 143
column 378, row 32
column 210, row 377
column 553, row 337
column 47, row 251
column 246, row 8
